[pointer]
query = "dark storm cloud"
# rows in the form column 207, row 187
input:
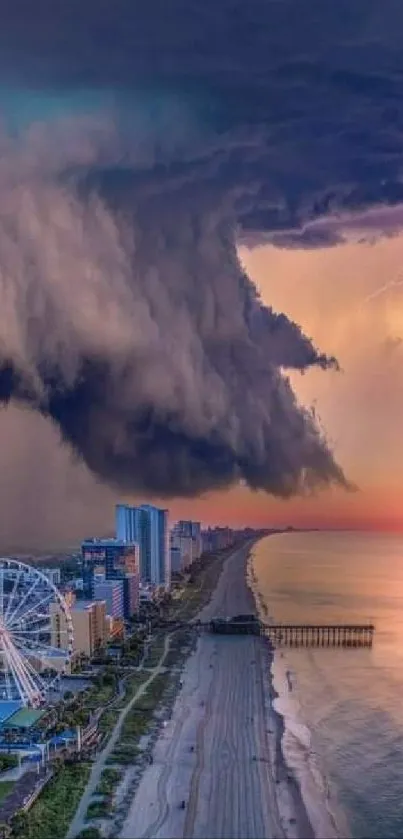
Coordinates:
column 128, row 320
column 47, row 499
column 126, row 315
column 302, row 101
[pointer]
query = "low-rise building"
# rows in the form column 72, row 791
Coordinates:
column 89, row 629
column 176, row 560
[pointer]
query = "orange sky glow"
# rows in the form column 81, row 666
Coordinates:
column 361, row 409
column 48, row 491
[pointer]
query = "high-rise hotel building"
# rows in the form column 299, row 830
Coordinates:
column 148, row 526
column 115, row 558
column 186, row 537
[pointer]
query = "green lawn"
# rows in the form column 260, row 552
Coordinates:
column 52, row 813
column 7, row 761
column 155, row 651
column 132, row 684
column 98, row 696
column 198, row 591
column 109, row 780
column 98, row 810
column 5, row 788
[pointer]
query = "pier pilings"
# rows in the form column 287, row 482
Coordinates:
column 320, row 635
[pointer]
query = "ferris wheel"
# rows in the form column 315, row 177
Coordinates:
column 36, row 634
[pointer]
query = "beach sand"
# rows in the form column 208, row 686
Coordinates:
column 221, row 750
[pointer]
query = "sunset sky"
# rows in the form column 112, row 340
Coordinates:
column 152, row 174
column 327, row 292
column 361, row 408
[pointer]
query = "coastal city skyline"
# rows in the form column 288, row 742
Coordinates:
column 158, row 413
column 201, row 401
column 366, row 385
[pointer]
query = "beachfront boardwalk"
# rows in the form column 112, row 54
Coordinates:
column 218, row 752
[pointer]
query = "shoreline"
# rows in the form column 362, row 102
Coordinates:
column 315, row 817
column 221, row 748
column 296, row 823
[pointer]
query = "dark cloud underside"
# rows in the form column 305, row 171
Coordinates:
column 167, row 133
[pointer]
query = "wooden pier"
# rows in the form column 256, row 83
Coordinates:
column 284, row 634
column 319, row 635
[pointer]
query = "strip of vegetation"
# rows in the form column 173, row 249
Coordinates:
column 134, row 727
column 132, row 684
column 124, row 756
column 132, row 648
column 110, row 717
column 5, row 789
column 77, row 709
column 7, row 761
column 181, row 645
column 99, row 809
column 108, row 720
column 104, row 689
column 109, row 780
column 155, row 651
column 50, row 816
column 153, row 694
column 138, row 721
column 201, row 584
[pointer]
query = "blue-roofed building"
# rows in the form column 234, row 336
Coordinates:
column 25, row 718
column 65, row 738
column 7, row 709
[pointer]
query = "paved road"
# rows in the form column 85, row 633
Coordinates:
column 79, row 822
column 207, row 754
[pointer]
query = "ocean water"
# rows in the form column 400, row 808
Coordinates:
column 343, row 708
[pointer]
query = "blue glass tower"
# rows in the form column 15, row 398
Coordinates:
column 148, row 526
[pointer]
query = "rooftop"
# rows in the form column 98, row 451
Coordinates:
column 59, row 739
column 82, row 605
column 108, row 583
column 106, row 543
column 8, row 708
column 25, row 718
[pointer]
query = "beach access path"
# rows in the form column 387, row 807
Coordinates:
column 214, row 752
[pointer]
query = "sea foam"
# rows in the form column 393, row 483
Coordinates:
column 296, row 744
